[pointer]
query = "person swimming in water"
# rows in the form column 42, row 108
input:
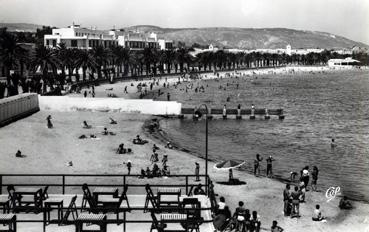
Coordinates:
column 333, row 144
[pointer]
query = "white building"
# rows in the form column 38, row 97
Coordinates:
column 81, row 38
column 165, row 44
column 347, row 62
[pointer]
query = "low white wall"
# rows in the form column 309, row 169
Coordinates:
column 13, row 108
column 145, row 106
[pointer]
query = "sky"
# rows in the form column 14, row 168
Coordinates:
column 348, row 18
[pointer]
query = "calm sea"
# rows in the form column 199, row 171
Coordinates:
column 317, row 106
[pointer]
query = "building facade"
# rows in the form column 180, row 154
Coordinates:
column 83, row 38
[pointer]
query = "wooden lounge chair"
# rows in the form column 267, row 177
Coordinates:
column 150, row 198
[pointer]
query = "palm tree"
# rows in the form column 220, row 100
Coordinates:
column 85, row 61
column 45, row 60
column 170, row 56
column 119, row 57
column 101, row 56
column 11, row 54
column 182, row 57
column 148, row 59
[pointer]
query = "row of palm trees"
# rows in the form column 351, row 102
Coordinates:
column 42, row 67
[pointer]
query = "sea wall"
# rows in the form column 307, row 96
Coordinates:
column 144, row 106
column 17, row 107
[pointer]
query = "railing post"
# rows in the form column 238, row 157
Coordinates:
column 124, row 219
column 186, row 185
column 1, row 184
column 63, row 189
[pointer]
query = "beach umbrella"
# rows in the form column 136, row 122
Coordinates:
column 229, row 164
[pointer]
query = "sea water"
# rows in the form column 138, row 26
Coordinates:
column 317, row 106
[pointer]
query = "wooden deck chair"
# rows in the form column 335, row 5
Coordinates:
column 86, row 194
column 72, row 209
column 45, row 195
column 94, row 206
column 156, row 225
column 150, row 198
column 114, row 204
column 190, row 193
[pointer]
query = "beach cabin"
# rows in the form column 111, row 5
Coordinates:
column 348, row 62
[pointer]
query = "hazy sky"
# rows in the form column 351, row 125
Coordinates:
column 349, row 18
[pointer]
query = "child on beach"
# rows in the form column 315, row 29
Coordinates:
column 317, row 216
column 275, row 227
column 49, row 123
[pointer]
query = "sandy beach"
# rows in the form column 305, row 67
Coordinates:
column 55, row 147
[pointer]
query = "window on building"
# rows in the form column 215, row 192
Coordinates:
column 54, row 42
column 73, row 43
column 47, row 42
column 90, row 43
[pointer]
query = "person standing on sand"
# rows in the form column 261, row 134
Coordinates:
column 295, row 203
column 129, row 166
column 257, row 161
column 269, row 171
column 197, row 171
column 305, row 176
column 314, row 176
column 168, row 96
column 49, row 123
column 125, row 89
column 286, row 200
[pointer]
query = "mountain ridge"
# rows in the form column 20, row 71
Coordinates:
column 234, row 37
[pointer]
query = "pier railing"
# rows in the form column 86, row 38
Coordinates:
column 71, row 184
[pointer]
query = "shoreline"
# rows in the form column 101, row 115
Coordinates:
column 265, row 195
column 158, row 134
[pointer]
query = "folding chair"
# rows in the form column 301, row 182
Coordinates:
column 114, row 204
column 150, row 198
column 156, row 225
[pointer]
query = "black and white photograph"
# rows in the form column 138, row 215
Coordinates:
column 184, row 115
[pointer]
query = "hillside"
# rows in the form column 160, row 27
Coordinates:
column 248, row 38
column 26, row 27
column 243, row 38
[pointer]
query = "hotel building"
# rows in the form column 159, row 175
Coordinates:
column 83, row 38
